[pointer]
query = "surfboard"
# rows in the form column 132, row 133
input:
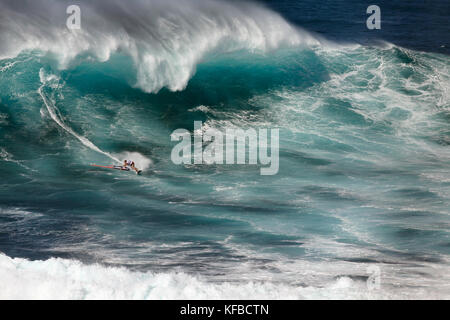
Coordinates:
column 112, row 167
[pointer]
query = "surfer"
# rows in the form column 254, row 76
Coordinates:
column 129, row 163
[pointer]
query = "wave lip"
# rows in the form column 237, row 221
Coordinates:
column 58, row 278
column 165, row 40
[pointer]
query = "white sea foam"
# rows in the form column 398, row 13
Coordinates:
column 142, row 162
column 68, row 279
column 5, row 156
column 19, row 213
column 8, row 66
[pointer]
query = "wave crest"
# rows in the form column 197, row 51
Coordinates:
column 165, row 40
column 68, row 279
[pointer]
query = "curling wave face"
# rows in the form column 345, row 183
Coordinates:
column 364, row 159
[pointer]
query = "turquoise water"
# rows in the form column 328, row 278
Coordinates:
column 364, row 175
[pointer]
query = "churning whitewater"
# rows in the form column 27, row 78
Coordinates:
column 363, row 185
column 165, row 40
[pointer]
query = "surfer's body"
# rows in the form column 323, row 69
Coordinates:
column 131, row 164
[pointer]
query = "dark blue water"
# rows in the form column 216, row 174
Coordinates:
column 364, row 172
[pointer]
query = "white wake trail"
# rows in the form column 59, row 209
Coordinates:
column 53, row 114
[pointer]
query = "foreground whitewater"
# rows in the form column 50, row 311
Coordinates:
column 363, row 186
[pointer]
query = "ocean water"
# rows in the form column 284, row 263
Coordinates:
column 363, row 186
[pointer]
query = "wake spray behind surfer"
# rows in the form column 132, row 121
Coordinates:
column 129, row 163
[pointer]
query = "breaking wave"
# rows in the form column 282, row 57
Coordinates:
column 165, row 39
